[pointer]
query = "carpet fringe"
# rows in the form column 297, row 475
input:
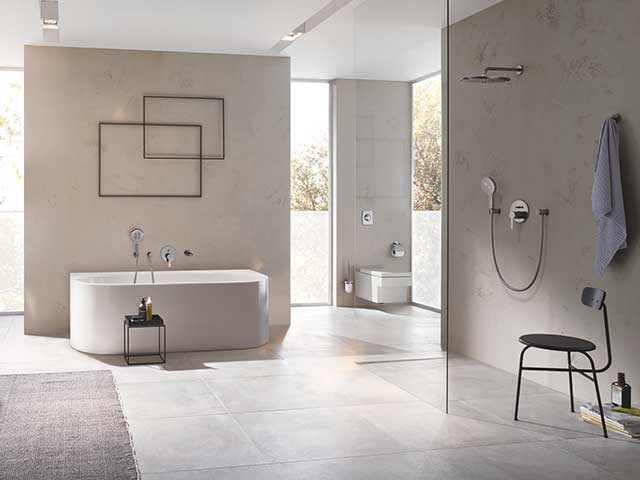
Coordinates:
column 137, row 474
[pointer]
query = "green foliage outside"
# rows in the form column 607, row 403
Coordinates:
column 310, row 177
column 11, row 167
column 11, row 193
column 427, row 144
column 310, row 164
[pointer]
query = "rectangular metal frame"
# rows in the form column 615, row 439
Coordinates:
column 143, row 125
column 162, row 353
column 180, row 97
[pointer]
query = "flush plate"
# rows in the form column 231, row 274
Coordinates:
column 367, row 217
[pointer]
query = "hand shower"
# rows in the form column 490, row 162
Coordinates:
column 488, row 186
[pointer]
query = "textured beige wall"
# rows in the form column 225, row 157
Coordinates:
column 242, row 221
column 373, row 172
column 537, row 136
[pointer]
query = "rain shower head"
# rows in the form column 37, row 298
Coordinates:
column 486, row 78
column 488, row 187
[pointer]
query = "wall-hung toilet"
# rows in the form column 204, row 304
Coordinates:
column 380, row 286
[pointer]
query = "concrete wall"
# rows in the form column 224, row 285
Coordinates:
column 537, row 136
column 373, row 172
column 242, row 221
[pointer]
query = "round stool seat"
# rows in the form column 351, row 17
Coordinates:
column 560, row 343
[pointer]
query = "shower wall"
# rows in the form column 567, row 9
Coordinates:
column 537, row 136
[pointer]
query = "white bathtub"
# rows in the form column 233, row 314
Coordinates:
column 202, row 309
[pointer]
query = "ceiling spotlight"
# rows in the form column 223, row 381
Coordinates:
column 292, row 36
column 50, row 19
column 49, row 23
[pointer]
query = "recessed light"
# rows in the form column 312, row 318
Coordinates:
column 292, row 36
column 50, row 23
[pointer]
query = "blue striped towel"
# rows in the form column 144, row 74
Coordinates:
column 606, row 198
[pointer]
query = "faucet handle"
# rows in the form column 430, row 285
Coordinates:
column 188, row 253
column 168, row 254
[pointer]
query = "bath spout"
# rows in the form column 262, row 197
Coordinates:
column 153, row 278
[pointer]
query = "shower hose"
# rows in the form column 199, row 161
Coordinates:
column 543, row 213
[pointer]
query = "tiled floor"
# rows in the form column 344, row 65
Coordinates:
column 341, row 394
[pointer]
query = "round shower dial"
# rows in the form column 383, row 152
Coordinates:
column 168, row 253
column 519, row 212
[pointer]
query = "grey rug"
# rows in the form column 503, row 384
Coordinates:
column 63, row 426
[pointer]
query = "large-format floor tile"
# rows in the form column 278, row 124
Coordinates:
column 421, row 427
column 254, row 472
column 615, row 455
column 424, row 379
column 352, row 387
column 315, row 433
column 482, row 381
column 187, row 443
column 531, row 461
column 505, row 462
column 169, row 399
column 242, row 369
column 549, row 413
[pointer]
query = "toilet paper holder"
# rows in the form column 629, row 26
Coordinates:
column 397, row 250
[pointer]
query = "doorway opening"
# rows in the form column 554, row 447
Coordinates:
column 310, row 194
column 427, row 191
column 11, row 191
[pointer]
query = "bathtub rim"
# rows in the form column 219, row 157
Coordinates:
column 253, row 276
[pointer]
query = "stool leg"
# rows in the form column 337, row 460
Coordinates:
column 595, row 382
column 515, row 415
column 570, row 381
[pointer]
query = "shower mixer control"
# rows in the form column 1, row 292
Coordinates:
column 518, row 212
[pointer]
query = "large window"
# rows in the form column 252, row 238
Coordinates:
column 11, row 191
column 427, row 191
column 310, row 206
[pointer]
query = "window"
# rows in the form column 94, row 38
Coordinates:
column 310, row 193
column 427, row 191
column 11, row 191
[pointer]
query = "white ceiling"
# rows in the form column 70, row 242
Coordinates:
column 383, row 39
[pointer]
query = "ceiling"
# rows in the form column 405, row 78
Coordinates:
column 377, row 39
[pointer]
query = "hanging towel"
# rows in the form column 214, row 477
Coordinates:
column 606, row 198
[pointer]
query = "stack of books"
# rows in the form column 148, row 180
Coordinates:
column 622, row 423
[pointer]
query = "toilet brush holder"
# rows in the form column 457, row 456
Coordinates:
column 348, row 286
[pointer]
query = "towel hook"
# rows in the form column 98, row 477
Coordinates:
column 616, row 116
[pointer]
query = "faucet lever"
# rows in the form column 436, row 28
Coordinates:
column 168, row 254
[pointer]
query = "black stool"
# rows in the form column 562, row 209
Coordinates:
column 591, row 297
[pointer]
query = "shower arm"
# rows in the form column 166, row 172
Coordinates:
column 518, row 69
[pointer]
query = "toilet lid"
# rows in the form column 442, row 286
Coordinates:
column 381, row 273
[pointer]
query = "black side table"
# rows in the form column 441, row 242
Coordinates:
column 156, row 322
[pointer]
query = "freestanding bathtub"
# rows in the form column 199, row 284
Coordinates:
column 202, row 310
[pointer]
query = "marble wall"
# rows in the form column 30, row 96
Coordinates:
column 537, row 136
column 242, row 220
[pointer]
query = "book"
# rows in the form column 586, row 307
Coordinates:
column 620, row 422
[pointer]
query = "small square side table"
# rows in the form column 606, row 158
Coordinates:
column 155, row 322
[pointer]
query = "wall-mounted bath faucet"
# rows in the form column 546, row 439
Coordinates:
column 153, row 277
column 168, row 254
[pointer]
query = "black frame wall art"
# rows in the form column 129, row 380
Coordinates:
column 199, row 157
column 218, row 129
